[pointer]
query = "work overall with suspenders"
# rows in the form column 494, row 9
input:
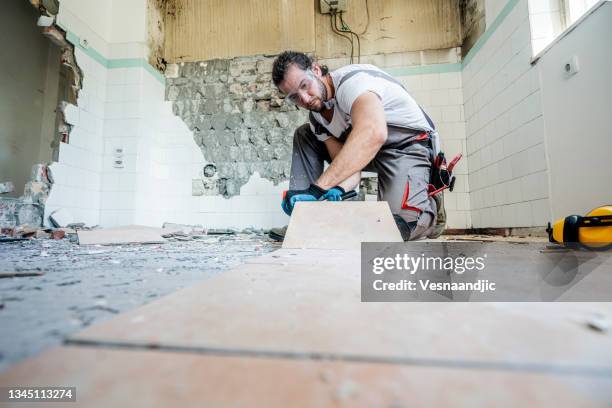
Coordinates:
column 411, row 169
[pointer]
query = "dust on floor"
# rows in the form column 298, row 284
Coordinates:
column 82, row 285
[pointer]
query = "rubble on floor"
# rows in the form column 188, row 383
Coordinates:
column 61, row 218
column 183, row 232
column 6, row 187
column 27, row 210
column 74, row 285
column 493, row 238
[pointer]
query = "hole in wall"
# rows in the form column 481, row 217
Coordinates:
column 209, row 170
column 40, row 79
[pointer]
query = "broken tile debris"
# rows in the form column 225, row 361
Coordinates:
column 6, row 187
column 599, row 322
column 20, row 274
column 61, row 217
column 81, row 284
column 120, row 235
column 28, row 209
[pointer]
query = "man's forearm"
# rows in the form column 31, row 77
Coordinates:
column 352, row 182
column 360, row 148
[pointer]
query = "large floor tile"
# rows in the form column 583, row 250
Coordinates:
column 317, row 310
column 137, row 378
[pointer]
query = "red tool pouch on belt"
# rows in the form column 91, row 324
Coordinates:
column 442, row 174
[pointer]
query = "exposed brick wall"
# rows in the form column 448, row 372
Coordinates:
column 238, row 119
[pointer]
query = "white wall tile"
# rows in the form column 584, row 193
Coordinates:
column 134, row 75
column 540, row 212
column 440, row 97
column 450, row 80
column 503, row 125
column 451, row 113
column 116, row 76
column 431, row 81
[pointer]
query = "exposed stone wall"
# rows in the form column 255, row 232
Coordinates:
column 238, row 119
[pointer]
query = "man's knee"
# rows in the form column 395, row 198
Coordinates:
column 417, row 210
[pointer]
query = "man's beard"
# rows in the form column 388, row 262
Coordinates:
column 323, row 98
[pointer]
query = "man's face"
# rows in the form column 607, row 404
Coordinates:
column 304, row 88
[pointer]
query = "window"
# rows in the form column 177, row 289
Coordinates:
column 549, row 18
column 574, row 9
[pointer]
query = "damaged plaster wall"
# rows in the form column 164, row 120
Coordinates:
column 45, row 68
column 198, row 30
column 238, row 119
column 473, row 22
column 266, row 27
column 156, row 33
column 76, row 173
column 25, row 92
column 391, row 26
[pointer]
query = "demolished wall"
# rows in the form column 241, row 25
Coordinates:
column 27, row 210
column 156, row 33
column 238, row 120
column 473, row 22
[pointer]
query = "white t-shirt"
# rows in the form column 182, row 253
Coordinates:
column 400, row 108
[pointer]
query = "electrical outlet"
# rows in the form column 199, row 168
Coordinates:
column 337, row 5
column 118, row 157
column 571, row 67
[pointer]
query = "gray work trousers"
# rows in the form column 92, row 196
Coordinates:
column 403, row 170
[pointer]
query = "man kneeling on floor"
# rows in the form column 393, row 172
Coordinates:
column 360, row 118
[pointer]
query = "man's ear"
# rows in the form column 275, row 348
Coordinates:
column 316, row 68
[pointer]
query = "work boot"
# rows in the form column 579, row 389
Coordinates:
column 405, row 228
column 278, row 234
column 440, row 225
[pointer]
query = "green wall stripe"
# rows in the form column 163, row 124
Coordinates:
column 116, row 62
column 489, row 31
column 74, row 39
column 425, row 69
column 124, row 63
column 160, row 77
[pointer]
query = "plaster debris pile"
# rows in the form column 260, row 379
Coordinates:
column 182, row 232
column 27, row 210
column 238, row 120
column 7, row 187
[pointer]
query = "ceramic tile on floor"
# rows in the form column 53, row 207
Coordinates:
column 313, row 257
column 305, row 309
column 138, row 378
column 340, row 225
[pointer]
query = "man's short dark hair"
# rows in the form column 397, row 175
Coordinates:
column 284, row 61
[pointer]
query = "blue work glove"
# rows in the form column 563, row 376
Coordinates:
column 290, row 197
column 333, row 194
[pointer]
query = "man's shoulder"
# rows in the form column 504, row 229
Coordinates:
column 354, row 67
column 351, row 75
